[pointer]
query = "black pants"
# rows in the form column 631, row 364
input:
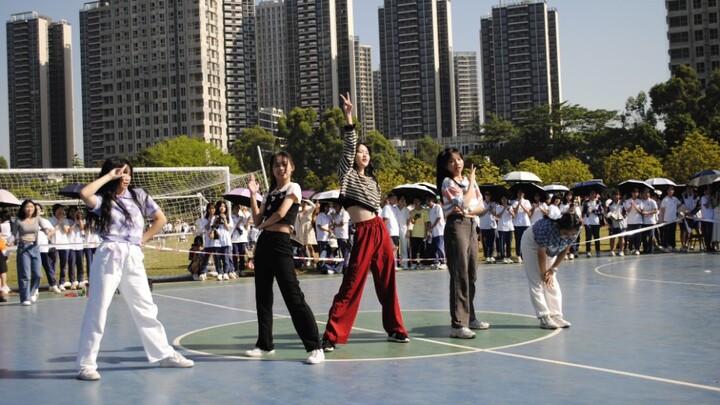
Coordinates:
column 519, row 231
column 488, row 242
column 592, row 232
column 669, row 235
column 274, row 260
column 417, row 249
column 634, row 239
column 707, row 231
column 647, row 239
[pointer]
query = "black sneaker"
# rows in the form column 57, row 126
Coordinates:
column 327, row 345
column 398, row 338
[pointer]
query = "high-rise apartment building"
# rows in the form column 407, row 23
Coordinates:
column 240, row 66
column 520, row 59
column 693, row 33
column 40, row 100
column 151, row 70
column 364, row 99
column 417, row 73
column 466, row 92
column 272, row 48
column 377, row 100
column 320, row 52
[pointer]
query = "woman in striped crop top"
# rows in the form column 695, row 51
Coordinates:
column 372, row 249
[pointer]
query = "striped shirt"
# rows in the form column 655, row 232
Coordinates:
column 355, row 188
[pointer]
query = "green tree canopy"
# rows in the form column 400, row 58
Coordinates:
column 415, row 170
column 244, row 149
column 184, row 151
column 428, row 149
column 567, row 171
column 3, row 163
column 383, row 153
column 295, row 133
column 694, row 154
column 629, row 164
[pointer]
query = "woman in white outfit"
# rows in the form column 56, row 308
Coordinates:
column 119, row 265
column 544, row 247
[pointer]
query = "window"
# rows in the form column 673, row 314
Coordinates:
column 700, row 67
column 699, row 51
column 697, row 19
column 697, row 3
column 699, row 35
column 712, row 18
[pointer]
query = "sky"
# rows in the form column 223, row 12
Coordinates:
column 610, row 50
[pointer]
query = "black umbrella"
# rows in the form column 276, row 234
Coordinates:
column 412, row 191
column 241, row 195
column 585, row 187
column 71, row 190
column 530, row 189
column 626, row 187
column 496, row 191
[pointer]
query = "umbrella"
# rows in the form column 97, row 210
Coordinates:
column 431, row 186
column 71, row 190
column 241, row 195
column 327, row 196
column 703, row 178
column 518, row 176
column 585, row 187
column 555, row 188
column 496, row 191
column 660, row 183
column 7, row 199
column 306, row 194
column 412, row 191
column 530, row 190
column 626, row 187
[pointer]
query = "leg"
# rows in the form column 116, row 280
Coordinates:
column 383, row 269
column 264, row 277
column 23, row 263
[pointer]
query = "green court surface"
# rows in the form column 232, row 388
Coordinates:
column 428, row 332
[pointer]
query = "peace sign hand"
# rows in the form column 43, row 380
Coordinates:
column 253, row 185
column 347, row 107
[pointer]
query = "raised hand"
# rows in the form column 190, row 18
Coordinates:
column 253, row 185
column 347, row 107
column 472, row 174
column 118, row 172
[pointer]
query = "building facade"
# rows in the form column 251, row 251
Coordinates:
column 40, row 99
column 520, row 59
column 364, row 98
column 272, row 64
column 240, row 66
column 693, row 35
column 151, row 70
column 466, row 93
column 417, row 73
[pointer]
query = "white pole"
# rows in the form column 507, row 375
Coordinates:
column 262, row 166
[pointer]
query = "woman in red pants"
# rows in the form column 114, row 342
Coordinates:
column 373, row 250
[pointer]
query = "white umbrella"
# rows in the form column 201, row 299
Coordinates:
column 7, row 199
column 555, row 188
column 660, row 181
column 330, row 196
column 525, row 177
column 703, row 178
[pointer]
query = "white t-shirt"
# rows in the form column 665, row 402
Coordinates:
column 434, row 213
column 487, row 219
column 42, row 238
column 402, row 216
column 538, row 213
column 240, row 233
column 521, row 217
column 590, row 216
column 323, row 220
column 634, row 216
column 671, row 205
column 650, row 205
column 554, row 212
column 60, row 237
column 505, row 223
column 341, row 220
column 616, row 208
column 707, row 212
column 75, row 237
column 391, row 221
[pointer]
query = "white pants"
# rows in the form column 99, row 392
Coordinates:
column 120, row 266
column 404, row 247
column 547, row 300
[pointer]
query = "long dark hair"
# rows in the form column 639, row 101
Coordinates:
column 369, row 169
column 108, row 192
column 21, row 211
column 443, row 158
column 285, row 155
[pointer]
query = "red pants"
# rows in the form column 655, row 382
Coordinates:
column 372, row 250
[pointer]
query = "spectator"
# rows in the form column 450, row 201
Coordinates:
column 388, row 214
column 504, row 214
column 60, row 241
column 76, row 271
column 416, row 225
column 204, row 228
column 222, row 230
column 649, row 214
column 539, row 208
column 239, row 237
column 45, row 253
column 341, row 230
column 616, row 223
column 304, row 230
column 92, row 241
column 28, row 253
column 707, row 214
column 8, row 239
column 488, row 227
column 522, row 211
column 692, row 207
column 554, row 207
column 669, row 215
column 592, row 212
column 436, row 231
column 402, row 213
column 634, row 209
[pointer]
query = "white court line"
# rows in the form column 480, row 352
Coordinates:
column 597, row 270
column 495, row 351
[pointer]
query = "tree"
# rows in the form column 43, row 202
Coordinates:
column 3, row 163
column 244, row 149
column 415, row 170
column 77, row 162
column 532, row 165
column 485, row 171
column 428, row 149
column 186, row 152
column 696, row 153
column 677, row 102
column 629, row 164
column 567, row 171
column 383, row 153
column 388, row 179
column 296, row 131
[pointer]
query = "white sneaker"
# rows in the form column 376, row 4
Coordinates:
column 442, row 266
column 55, row 289
column 176, row 360
column 202, row 277
column 5, row 290
column 621, row 253
column 519, row 260
column 195, row 277
column 232, row 275
column 258, row 352
column 560, row 321
column 588, row 254
column 636, row 253
column 317, row 356
column 612, row 253
column 492, row 259
column 546, row 322
column 462, row 333
column 74, row 285
column 87, row 374
column 34, row 296
column 219, row 277
column 479, row 325
column 26, row 303
column 487, row 260
column 67, row 284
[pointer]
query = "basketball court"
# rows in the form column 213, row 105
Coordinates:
column 645, row 330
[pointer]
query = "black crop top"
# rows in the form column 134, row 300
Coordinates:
column 275, row 198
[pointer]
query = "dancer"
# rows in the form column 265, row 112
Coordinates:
column 372, row 248
column 462, row 201
column 274, row 259
column 544, row 248
column 118, row 265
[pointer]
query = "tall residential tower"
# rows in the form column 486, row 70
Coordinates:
column 693, row 33
column 40, row 99
column 520, row 59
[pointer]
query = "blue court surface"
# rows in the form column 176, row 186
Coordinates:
column 646, row 330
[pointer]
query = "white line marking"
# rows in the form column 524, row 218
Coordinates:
column 597, row 270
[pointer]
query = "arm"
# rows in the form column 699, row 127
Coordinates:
column 87, row 194
column 350, row 145
column 279, row 214
column 254, row 186
column 159, row 221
